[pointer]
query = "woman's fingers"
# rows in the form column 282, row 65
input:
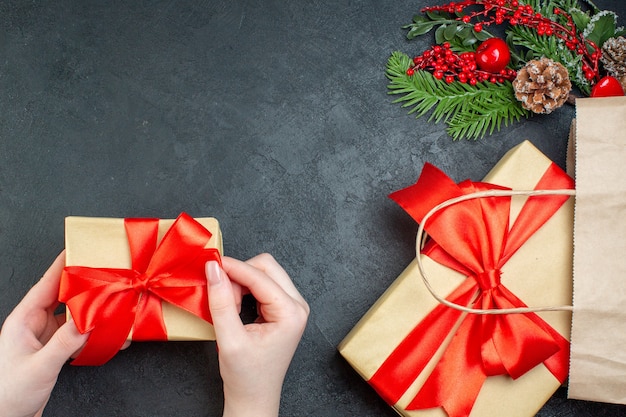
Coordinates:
column 267, row 282
column 63, row 344
column 278, row 299
column 272, row 268
column 222, row 304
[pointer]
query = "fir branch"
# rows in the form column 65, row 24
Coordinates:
column 479, row 119
column 469, row 111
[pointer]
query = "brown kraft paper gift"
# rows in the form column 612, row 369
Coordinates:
column 102, row 242
column 539, row 273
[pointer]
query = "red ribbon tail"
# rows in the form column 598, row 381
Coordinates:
column 151, row 326
column 108, row 337
column 410, row 358
column 458, row 377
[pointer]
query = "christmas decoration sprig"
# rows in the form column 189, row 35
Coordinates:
column 469, row 110
column 467, row 60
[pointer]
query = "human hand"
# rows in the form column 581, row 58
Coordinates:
column 254, row 358
column 34, row 345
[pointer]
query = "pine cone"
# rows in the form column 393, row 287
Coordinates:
column 542, row 86
column 614, row 56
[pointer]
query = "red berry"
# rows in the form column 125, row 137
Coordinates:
column 410, row 72
column 493, row 55
column 478, row 27
column 607, row 87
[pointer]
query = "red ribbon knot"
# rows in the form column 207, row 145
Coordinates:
column 110, row 302
column 140, row 282
column 473, row 238
column 488, row 279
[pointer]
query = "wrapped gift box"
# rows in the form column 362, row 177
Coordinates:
column 103, row 243
column 539, row 273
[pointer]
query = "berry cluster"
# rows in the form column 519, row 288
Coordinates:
column 488, row 12
column 449, row 66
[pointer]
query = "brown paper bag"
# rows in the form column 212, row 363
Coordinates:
column 598, row 339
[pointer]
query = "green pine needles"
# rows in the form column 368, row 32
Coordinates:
column 469, row 111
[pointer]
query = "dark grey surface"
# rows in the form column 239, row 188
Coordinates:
column 271, row 116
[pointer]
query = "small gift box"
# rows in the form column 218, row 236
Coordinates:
column 137, row 279
column 428, row 359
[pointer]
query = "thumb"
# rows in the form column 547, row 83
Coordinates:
column 224, row 311
column 63, row 344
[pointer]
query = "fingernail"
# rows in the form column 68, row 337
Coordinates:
column 213, row 272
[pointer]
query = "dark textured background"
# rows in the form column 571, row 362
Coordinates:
column 272, row 116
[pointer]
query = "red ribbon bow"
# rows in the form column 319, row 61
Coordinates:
column 109, row 302
column 473, row 237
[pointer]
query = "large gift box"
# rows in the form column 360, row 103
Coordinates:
column 137, row 279
column 428, row 359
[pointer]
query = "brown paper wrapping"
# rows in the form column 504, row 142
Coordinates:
column 102, row 243
column 540, row 273
column 598, row 356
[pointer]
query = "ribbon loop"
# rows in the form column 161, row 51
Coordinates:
column 110, row 302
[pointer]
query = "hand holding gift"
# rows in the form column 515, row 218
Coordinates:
column 137, row 279
column 254, row 357
column 34, row 345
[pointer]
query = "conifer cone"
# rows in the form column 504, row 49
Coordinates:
column 542, row 85
column 614, row 56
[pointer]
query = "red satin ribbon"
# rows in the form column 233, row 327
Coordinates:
column 473, row 237
column 109, row 302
